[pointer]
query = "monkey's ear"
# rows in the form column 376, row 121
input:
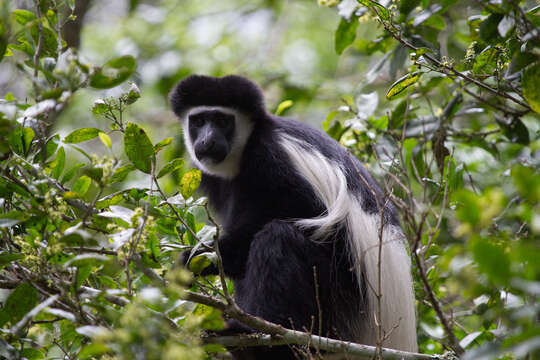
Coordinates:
column 233, row 91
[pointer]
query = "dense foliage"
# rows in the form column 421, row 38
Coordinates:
column 441, row 99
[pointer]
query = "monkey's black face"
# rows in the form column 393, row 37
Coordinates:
column 211, row 134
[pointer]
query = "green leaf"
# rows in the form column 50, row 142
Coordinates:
column 95, row 173
column 190, row 182
column 71, row 172
column 59, row 162
column 380, row 123
column 112, row 199
column 211, row 317
column 160, row 145
column 121, row 173
column 378, row 8
column 531, row 90
column 455, row 174
column 93, row 351
column 21, row 139
column 398, row 115
column 152, row 244
column 81, row 135
column 403, row 83
column 84, row 260
column 105, row 139
column 284, row 105
column 6, row 259
column 28, row 136
column 51, row 145
column 527, row 182
column 345, row 34
column 23, row 16
column 328, row 121
column 20, row 301
column 406, row 6
column 199, row 263
column 436, row 22
column 132, row 95
column 82, row 185
column 113, row 73
column 11, row 218
column 486, row 61
column 488, row 29
column 32, row 354
column 100, row 107
column 51, row 18
column 191, row 223
column 468, row 209
column 491, row 260
column 50, row 44
column 82, row 274
column 138, row 148
column 4, row 41
column 170, row 167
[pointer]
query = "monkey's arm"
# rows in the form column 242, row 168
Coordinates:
column 234, row 246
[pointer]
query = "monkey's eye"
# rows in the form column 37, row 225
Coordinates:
column 222, row 122
column 196, row 121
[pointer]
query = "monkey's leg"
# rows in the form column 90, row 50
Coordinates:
column 279, row 283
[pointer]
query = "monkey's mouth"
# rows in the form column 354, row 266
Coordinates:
column 213, row 157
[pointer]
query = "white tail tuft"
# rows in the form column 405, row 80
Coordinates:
column 397, row 302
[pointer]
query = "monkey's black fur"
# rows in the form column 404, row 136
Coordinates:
column 230, row 91
column 271, row 261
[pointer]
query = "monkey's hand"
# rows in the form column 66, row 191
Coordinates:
column 199, row 261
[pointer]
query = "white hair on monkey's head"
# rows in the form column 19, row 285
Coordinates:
column 229, row 167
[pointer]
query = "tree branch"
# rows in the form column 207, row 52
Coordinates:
column 327, row 344
column 278, row 335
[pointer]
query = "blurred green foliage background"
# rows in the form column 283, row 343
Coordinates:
column 440, row 99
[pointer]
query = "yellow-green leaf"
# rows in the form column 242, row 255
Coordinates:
column 199, row 263
column 81, row 135
column 59, row 162
column 531, row 90
column 171, row 166
column 190, row 182
column 82, row 185
column 284, row 105
column 105, row 139
column 160, row 145
column 402, row 83
column 23, row 16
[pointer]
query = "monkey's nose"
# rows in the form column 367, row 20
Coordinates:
column 210, row 149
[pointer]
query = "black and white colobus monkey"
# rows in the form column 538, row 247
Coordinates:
column 292, row 201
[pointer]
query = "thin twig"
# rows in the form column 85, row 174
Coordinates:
column 319, row 307
column 450, row 68
column 221, row 270
column 39, row 46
